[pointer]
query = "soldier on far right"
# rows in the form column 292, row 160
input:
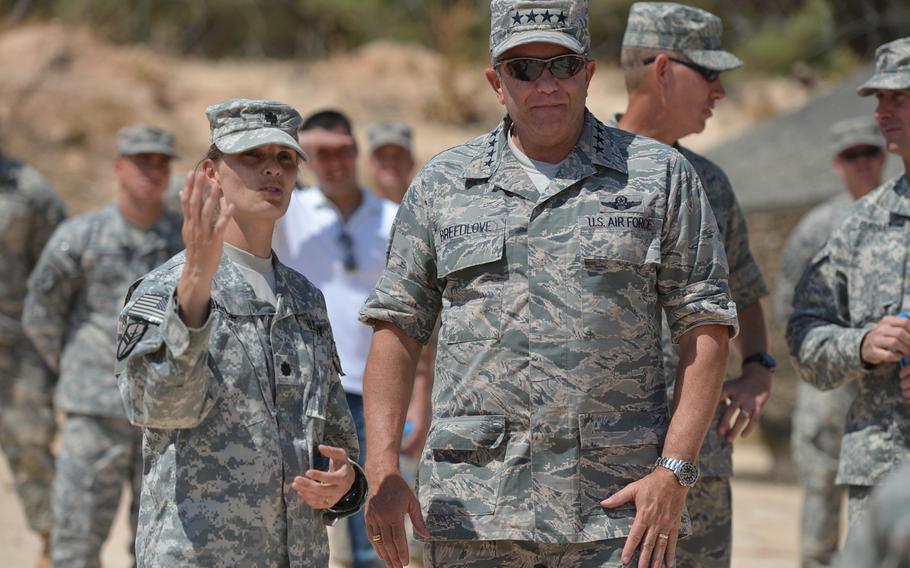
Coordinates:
column 849, row 322
column 818, row 420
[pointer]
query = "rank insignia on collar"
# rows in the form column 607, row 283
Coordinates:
column 621, row 203
column 131, row 337
column 150, row 307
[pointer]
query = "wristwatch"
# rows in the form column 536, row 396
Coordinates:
column 686, row 472
column 763, row 359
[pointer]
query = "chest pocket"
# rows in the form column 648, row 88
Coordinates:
column 475, row 272
column 872, row 295
column 615, row 274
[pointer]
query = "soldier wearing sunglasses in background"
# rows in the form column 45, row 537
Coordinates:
column 819, row 417
column 672, row 60
column 336, row 233
column 549, row 247
column 846, row 325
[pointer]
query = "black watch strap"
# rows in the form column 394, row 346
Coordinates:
column 763, row 359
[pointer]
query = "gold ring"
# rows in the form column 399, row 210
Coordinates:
column 376, row 538
column 663, row 536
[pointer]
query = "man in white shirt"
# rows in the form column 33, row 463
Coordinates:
column 335, row 233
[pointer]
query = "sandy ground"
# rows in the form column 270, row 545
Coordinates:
column 765, row 520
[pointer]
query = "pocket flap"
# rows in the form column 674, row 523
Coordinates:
column 637, row 244
column 467, row 433
column 613, row 429
column 475, row 250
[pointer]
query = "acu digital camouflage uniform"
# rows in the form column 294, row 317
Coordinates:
column 75, row 295
column 819, row 416
column 549, row 395
column 231, row 413
column 29, row 213
column 858, row 278
column 695, row 33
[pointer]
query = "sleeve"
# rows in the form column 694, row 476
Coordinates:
column 52, row 288
column 341, row 433
column 747, row 285
column 692, row 278
column 826, row 349
column 801, row 246
column 408, row 294
column 163, row 367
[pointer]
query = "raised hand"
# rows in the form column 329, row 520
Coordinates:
column 203, row 236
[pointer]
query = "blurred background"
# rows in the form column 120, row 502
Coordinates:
column 72, row 72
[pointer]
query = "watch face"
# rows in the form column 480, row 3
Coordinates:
column 688, row 474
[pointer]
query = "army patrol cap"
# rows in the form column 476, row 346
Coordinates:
column 693, row 32
column 519, row 22
column 383, row 133
column 142, row 139
column 892, row 68
column 241, row 124
column 860, row 131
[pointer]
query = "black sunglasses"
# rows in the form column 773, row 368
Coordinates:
column 531, row 68
column 852, row 154
column 347, row 243
column 710, row 75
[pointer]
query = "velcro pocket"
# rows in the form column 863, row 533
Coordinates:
column 468, row 433
column 468, row 252
column 637, row 433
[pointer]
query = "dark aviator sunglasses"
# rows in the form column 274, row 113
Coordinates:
column 710, row 75
column 531, row 68
column 862, row 152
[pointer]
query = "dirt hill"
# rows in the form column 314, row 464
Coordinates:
column 65, row 93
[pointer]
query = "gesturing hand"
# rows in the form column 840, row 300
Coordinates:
column 203, row 236
column 322, row 489
column 746, row 398
column 887, row 341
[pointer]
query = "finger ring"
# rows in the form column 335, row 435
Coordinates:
column 745, row 412
column 376, row 538
column 663, row 536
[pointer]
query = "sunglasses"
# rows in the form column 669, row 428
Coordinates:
column 710, row 75
column 347, row 243
column 531, row 68
column 862, row 152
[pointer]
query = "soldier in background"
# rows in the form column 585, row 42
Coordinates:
column 846, row 325
column 882, row 540
column 391, row 163
column 672, row 61
column 548, row 248
column 74, row 297
column 29, row 213
column 819, row 417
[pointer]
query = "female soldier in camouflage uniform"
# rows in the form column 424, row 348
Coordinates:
column 226, row 359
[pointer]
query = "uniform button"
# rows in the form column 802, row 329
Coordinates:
column 286, row 369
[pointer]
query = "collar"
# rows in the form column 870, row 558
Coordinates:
column 235, row 296
column 597, row 145
column 897, row 197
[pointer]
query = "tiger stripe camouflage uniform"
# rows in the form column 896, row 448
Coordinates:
column 549, row 394
column 29, row 213
column 858, row 278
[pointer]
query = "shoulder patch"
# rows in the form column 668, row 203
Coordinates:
column 131, row 336
column 150, row 307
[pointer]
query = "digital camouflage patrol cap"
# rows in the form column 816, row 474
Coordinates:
column 692, row 32
column 142, row 139
column 241, row 124
column 383, row 133
column 892, row 68
column 860, row 131
column 519, row 22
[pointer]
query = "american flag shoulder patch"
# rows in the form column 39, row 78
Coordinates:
column 150, row 307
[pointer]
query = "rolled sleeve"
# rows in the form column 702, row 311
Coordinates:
column 165, row 380
column 408, row 294
column 693, row 277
